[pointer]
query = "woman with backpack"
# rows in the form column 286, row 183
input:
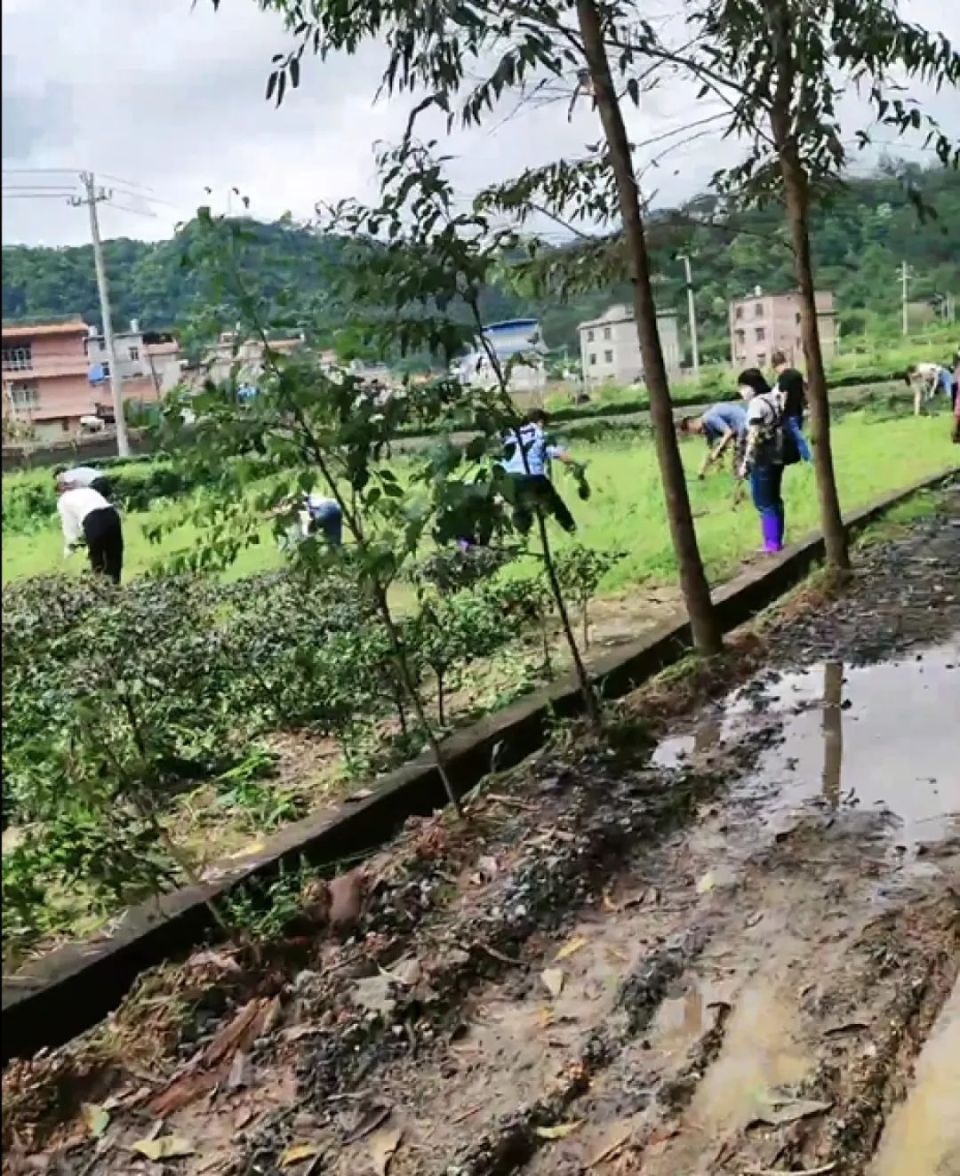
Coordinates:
column 767, row 449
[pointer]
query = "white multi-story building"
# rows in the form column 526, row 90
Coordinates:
column 610, row 349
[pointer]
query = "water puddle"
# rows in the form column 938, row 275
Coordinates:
column 880, row 738
column 923, row 1133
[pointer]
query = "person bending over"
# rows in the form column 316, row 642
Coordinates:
column 721, row 426
column 526, row 461
column 87, row 517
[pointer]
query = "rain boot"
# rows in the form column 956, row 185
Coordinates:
column 770, row 529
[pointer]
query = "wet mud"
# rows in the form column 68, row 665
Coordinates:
column 734, row 951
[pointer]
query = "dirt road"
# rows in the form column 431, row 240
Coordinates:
column 735, row 952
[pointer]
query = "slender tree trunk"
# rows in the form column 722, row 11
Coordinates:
column 693, row 581
column 797, row 202
column 796, row 192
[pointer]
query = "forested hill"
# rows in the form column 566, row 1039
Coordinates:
column 860, row 239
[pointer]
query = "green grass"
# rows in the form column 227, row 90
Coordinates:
column 872, row 456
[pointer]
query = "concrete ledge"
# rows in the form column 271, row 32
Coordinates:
column 72, row 988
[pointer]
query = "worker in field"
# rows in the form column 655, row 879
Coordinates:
column 926, row 380
column 528, row 453
column 83, row 476
column 88, row 518
column 320, row 515
column 721, row 426
column 793, row 390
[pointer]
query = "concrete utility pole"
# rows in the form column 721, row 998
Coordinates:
column 905, row 277
column 93, row 196
column 692, row 317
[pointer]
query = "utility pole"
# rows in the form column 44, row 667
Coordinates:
column 692, row 317
column 93, row 196
column 905, row 276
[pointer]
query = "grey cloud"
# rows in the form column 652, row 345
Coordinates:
column 178, row 104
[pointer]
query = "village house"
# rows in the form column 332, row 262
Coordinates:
column 764, row 323
column 610, row 349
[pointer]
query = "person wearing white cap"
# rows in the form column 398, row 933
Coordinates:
column 87, row 517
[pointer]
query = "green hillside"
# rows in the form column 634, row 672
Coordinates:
column 860, row 238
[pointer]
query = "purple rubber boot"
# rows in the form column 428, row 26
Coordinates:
column 772, row 534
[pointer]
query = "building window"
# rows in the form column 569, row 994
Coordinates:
column 24, row 394
column 18, row 359
column 606, row 332
column 589, row 336
column 798, row 318
column 134, row 354
column 738, row 312
column 761, row 334
column 608, row 357
column 592, row 359
column 741, row 336
column 761, row 359
column 758, row 310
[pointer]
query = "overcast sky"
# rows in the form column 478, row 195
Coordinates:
column 172, row 98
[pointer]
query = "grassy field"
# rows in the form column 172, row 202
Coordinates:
column 625, row 512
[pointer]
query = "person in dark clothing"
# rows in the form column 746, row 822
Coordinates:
column 87, row 517
column 793, row 389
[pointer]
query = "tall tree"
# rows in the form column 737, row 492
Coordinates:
column 783, row 66
column 519, row 48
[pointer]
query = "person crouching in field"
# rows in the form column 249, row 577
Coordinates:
column 721, row 426
column 87, row 517
column 926, row 380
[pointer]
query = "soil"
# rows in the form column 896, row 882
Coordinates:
column 726, row 944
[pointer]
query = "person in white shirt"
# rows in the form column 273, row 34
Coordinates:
column 86, row 516
column 926, row 380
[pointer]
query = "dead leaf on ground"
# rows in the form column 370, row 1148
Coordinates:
column 707, row 883
column 346, row 898
column 488, row 867
column 230, row 1037
column 96, row 1118
column 373, row 992
column 239, row 1075
column 610, row 1150
column 299, row 1152
column 553, row 981
column 846, row 1027
column 609, row 905
column 780, row 1111
column 214, row 959
column 649, row 896
column 368, row 1120
column 168, row 1147
column 407, row 971
column 383, row 1147
column 360, row 794
column 570, row 948
column 560, row 1131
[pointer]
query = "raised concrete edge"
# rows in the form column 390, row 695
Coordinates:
column 57, row 997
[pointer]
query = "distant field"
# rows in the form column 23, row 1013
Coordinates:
column 625, row 512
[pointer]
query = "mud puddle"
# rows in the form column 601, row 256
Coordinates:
column 879, row 738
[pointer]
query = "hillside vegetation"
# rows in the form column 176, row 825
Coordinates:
column 860, row 238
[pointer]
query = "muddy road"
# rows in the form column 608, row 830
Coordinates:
column 730, row 948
